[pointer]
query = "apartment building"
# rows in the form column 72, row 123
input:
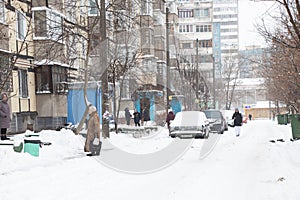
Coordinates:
column 37, row 61
column 16, row 63
column 225, row 19
column 195, row 33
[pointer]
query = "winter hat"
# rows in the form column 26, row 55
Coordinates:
column 2, row 95
column 92, row 109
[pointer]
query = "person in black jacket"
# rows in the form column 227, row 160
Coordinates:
column 137, row 118
column 238, row 120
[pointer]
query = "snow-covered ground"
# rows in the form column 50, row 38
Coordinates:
column 221, row 167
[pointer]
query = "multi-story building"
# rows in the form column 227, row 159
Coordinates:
column 37, row 61
column 225, row 18
column 195, row 33
column 16, row 65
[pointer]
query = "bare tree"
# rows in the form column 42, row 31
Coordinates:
column 282, row 74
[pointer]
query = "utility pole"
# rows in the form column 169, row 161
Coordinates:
column 214, row 82
column 168, row 60
column 104, row 80
column 197, row 74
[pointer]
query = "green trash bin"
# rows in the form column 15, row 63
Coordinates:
column 32, row 146
column 282, row 119
column 295, row 124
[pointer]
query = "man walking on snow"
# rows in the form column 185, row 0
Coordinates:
column 238, row 120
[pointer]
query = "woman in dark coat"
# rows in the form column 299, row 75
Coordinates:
column 4, row 116
column 238, row 121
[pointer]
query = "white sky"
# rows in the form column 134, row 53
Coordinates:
column 250, row 13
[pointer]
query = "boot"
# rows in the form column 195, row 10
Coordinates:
column 3, row 137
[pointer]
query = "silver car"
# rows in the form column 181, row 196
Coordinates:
column 190, row 124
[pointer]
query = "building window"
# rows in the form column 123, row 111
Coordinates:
column 185, row 28
column 2, row 11
column 93, row 9
column 55, row 26
column 202, row 12
column 47, row 25
column 21, row 26
column 125, row 90
column 205, row 43
column 23, row 85
column 185, row 13
column 43, row 79
column 40, row 29
column 51, row 79
column 186, row 45
column 203, row 28
column 147, row 7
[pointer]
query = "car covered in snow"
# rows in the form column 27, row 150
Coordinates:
column 217, row 121
column 190, row 124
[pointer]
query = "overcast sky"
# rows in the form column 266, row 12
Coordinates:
column 250, row 13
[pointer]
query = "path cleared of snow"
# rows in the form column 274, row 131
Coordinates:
column 236, row 168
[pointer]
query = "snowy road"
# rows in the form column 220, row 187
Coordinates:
column 236, row 168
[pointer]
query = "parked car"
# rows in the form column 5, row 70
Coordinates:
column 217, row 120
column 190, row 124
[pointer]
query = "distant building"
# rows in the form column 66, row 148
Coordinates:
column 248, row 91
column 251, row 60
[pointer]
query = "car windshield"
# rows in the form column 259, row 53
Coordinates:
column 213, row 114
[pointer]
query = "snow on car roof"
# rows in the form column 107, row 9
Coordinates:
column 189, row 118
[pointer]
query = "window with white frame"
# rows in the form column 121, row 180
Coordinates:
column 50, row 79
column 203, row 28
column 147, row 7
column 21, row 26
column 55, row 26
column 47, row 25
column 204, row 12
column 2, row 11
column 185, row 28
column 23, row 85
column 185, row 13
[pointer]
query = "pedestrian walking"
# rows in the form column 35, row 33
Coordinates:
column 93, row 132
column 238, row 121
column 127, row 116
column 250, row 116
column 4, row 116
column 136, row 118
